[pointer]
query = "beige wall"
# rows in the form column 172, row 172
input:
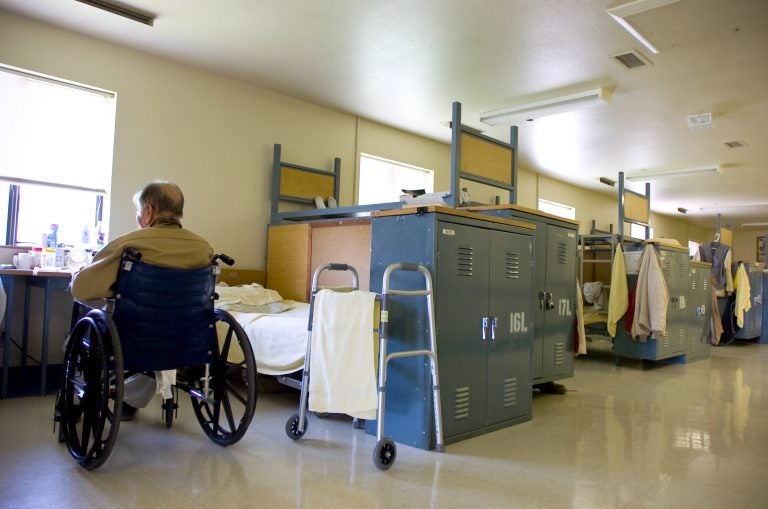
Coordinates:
column 212, row 135
column 745, row 245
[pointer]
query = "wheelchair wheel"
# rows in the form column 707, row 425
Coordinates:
column 226, row 410
column 92, row 390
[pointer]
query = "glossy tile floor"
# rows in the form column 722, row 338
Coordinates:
column 636, row 435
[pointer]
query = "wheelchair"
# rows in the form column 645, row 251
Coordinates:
column 161, row 319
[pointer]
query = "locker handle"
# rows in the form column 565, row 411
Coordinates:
column 550, row 301
column 494, row 324
column 485, row 327
column 542, row 297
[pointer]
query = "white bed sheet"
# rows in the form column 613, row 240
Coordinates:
column 279, row 341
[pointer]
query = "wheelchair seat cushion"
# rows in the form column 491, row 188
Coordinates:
column 164, row 316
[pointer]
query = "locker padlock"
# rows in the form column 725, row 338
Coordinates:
column 550, row 301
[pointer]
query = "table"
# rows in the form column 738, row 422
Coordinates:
column 49, row 281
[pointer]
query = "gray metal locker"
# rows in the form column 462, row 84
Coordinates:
column 482, row 281
column 674, row 343
column 699, row 311
column 554, row 289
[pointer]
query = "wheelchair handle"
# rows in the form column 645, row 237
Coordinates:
column 224, row 258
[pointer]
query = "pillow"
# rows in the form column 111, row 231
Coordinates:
column 253, row 295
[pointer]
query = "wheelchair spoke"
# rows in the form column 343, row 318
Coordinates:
column 228, row 411
column 232, row 389
column 224, row 355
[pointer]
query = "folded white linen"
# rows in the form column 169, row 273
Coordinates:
column 250, row 295
column 342, row 363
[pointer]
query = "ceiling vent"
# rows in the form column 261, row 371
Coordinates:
column 631, row 59
column 699, row 119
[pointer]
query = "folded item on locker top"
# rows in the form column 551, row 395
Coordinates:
column 664, row 242
column 440, row 198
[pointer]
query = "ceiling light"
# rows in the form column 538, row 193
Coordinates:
column 645, row 175
column 682, row 210
column 620, row 13
column 607, row 181
column 551, row 106
column 123, row 10
column 721, row 206
column 735, row 144
column 754, row 225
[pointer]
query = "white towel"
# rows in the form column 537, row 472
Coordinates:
column 581, row 334
column 651, row 297
column 342, row 375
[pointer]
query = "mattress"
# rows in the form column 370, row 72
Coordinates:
column 279, row 340
column 276, row 328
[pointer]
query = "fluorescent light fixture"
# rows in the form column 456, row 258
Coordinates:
column 620, row 13
column 123, row 10
column 552, row 106
column 721, row 206
column 754, row 225
column 645, row 175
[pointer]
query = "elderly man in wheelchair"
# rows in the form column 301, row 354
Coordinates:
column 159, row 283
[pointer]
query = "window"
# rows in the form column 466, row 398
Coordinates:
column 557, row 209
column 693, row 248
column 56, row 143
column 382, row 180
column 637, row 231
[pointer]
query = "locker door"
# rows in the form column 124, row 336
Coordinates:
column 538, row 299
column 560, row 303
column 460, row 305
column 677, row 323
column 509, row 354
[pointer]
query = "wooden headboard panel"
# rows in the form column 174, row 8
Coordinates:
column 479, row 158
column 300, row 184
column 236, row 277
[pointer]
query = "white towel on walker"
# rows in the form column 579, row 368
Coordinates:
column 342, row 375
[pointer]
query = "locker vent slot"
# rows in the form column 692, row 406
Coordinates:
column 465, row 259
column 665, row 340
column 509, row 397
column 705, row 283
column 682, row 271
column 512, row 266
column 682, row 337
column 693, row 283
column 461, row 403
column 559, row 353
column 562, row 252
